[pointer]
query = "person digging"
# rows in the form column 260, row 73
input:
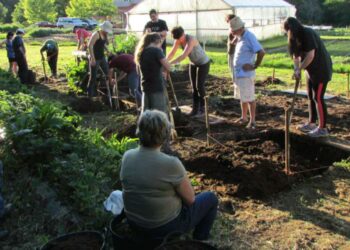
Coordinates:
column 51, row 48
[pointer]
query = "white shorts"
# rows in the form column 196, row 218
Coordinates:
column 245, row 89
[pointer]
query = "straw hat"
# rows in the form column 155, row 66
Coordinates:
column 107, row 27
column 236, row 23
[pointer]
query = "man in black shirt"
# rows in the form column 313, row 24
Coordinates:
column 157, row 25
column 20, row 55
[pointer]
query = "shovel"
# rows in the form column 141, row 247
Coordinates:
column 177, row 110
column 44, row 68
column 173, row 132
column 291, row 109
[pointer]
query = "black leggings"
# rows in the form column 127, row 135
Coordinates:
column 198, row 82
column 317, row 106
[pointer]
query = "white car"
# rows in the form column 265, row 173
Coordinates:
column 71, row 22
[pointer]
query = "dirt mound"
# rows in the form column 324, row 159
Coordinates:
column 268, row 81
column 255, row 167
column 86, row 105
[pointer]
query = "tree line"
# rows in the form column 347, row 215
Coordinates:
column 31, row 11
column 332, row 12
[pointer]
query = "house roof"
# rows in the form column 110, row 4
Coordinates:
column 258, row 3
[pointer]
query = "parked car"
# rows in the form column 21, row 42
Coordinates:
column 92, row 23
column 46, row 24
column 72, row 22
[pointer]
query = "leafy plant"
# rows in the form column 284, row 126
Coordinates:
column 125, row 43
column 76, row 76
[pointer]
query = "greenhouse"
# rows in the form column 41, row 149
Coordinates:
column 206, row 18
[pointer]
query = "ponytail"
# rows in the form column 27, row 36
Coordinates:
column 145, row 41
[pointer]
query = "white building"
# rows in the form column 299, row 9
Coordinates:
column 206, row 18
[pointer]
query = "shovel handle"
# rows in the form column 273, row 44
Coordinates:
column 173, row 90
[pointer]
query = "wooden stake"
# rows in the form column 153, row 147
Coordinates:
column 207, row 120
column 348, row 94
column 116, row 92
column 286, row 143
column 273, row 75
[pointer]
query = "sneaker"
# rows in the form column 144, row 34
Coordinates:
column 251, row 125
column 318, row 132
column 307, row 127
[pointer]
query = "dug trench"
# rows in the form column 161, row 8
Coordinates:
column 252, row 166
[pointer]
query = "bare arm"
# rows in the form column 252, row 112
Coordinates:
column 185, row 191
column 188, row 49
column 166, row 64
column 259, row 58
column 173, row 50
column 110, row 76
column 91, row 44
column 308, row 59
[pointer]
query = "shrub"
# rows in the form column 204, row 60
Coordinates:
column 77, row 76
column 125, row 43
column 43, row 32
column 4, row 28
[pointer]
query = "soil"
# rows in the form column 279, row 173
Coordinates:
column 255, row 167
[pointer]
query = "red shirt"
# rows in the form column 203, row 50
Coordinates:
column 123, row 62
column 82, row 33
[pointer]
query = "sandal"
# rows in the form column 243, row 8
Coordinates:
column 251, row 125
column 240, row 121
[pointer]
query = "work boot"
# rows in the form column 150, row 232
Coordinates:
column 3, row 234
column 201, row 108
column 195, row 106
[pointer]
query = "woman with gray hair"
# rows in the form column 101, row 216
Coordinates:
column 158, row 196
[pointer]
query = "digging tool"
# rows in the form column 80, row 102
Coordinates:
column 291, row 109
column 171, row 117
column 116, row 92
column 105, row 78
column 178, row 113
column 44, row 68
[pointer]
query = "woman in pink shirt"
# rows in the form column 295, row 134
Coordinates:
column 82, row 36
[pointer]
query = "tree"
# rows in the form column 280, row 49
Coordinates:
column 3, row 12
column 40, row 10
column 89, row 8
column 10, row 6
column 309, row 12
column 18, row 13
column 61, row 6
column 337, row 12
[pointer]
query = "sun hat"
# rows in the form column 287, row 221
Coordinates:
column 107, row 27
column 20, row 31
column 236, row 23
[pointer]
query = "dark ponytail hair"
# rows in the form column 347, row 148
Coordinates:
column 9, row 35
column 297, row 32
column 145, row 41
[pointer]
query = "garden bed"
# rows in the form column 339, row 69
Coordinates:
column 253, row 166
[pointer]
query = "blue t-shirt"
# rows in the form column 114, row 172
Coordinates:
column 9, row 48
column 245, row 53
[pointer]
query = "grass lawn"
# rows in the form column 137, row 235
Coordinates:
column 280, row 60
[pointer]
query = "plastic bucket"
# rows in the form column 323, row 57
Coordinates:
column 124, row 238
column 88, row 240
